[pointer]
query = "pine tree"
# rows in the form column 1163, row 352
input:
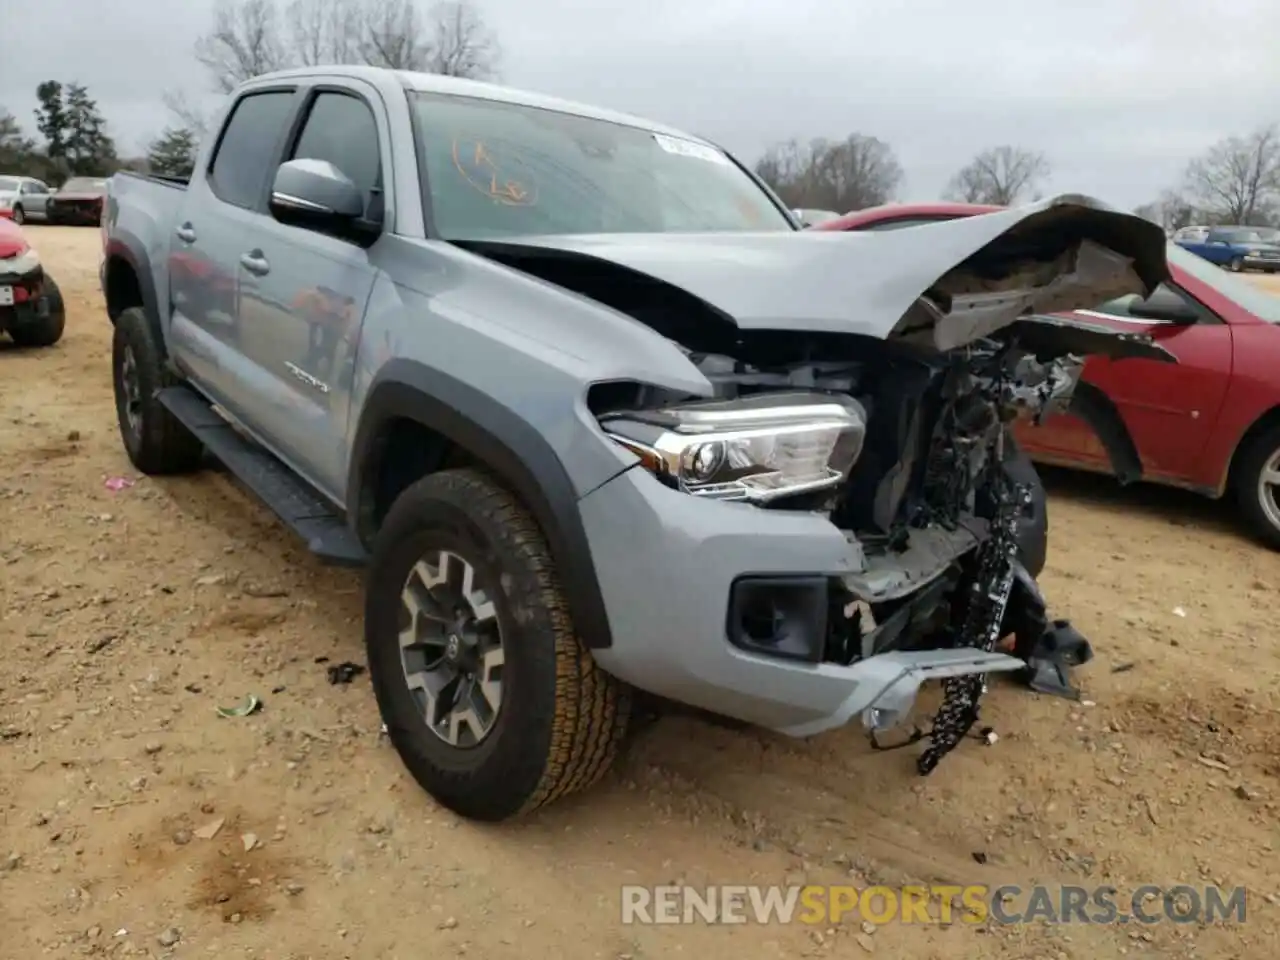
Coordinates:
column 90, row 151
column 173, row 153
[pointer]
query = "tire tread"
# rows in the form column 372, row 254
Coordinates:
column 589, row 710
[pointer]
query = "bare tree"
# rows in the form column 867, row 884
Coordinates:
column 252, row 37
column 1238, row 178
column 189, row 116
column 1170, row 210
column 324, row 31
column 462, row 44
column 999, row 176
column 393, row 36
column 851, row 174
column 244, row 42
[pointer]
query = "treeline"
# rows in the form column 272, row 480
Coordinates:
column 70, row 139
column 1236, row 180
column 247, row 38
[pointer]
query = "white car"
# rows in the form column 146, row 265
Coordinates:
column 23, row 199
column 1191, row 235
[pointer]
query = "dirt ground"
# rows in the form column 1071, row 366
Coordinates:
column 127, row 616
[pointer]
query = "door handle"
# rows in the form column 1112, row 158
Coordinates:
column 186, row 233
column 255, row 263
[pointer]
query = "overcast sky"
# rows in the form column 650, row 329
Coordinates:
column 1119, row 94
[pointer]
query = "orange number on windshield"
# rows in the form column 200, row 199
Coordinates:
column 491, row 176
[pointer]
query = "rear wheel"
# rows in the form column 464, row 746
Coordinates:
column 1256, row 483
column 492, row 701
column 156, row 441
column 46, row 330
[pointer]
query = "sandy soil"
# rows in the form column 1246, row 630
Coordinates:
column 128, row 616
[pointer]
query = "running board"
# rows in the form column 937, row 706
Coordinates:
column 320, row 526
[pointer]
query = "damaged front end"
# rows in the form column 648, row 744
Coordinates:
column 885, row 408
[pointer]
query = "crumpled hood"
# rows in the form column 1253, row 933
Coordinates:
column 942, row 284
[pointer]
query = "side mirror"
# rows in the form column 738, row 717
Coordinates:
column 1166, row 306
column 316, row 195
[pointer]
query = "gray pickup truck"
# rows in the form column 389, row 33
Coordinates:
column 596, row 417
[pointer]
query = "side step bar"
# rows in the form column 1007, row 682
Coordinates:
column 289, row 497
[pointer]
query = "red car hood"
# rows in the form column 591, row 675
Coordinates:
column 12, row 242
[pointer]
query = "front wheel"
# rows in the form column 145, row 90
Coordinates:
column 1236, row 265
column 493, row 703
column 18, row 216
column 1256, row 484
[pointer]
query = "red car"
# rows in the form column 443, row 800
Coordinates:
column 31, row 309
column 77, row 202
column 1209, row 423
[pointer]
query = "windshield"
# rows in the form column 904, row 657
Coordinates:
column 1239, row 236
column 83, row 185
column 8, row 185
column 1250, row 296
column 505, row 170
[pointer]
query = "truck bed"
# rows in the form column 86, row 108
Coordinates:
column 163, row 179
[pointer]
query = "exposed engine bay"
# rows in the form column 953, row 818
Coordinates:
column 929, row 502
column 896, row 430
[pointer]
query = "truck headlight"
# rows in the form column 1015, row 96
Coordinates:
column 756, row 448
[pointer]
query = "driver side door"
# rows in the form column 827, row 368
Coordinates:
column 1169, row 409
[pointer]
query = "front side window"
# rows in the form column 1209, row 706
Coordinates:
column 341, row 130
column 504, row 170
column 904, row 222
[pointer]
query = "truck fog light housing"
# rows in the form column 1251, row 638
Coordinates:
column 757, row 448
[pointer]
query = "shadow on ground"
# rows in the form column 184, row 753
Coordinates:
column 1180, row 508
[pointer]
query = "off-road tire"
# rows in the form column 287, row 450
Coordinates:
column 47, row 330
column 562, row 718
column 19, row 216
column 1246, row 473
column 161, row 445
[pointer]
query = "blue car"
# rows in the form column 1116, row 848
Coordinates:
column 1237, row 248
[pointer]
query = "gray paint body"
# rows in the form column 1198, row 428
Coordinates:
column 664, row 560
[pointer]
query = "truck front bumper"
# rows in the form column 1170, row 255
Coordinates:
column 676, row 572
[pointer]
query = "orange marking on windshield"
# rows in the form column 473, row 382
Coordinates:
column 486, row 176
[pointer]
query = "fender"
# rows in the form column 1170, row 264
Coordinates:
column 124, row 246
column 505, row 443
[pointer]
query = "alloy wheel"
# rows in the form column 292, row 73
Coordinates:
column 131, row 386
column 451, row 648
column 1269, row 489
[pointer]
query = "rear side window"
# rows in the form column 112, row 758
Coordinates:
column 900, row 224
column 248, row 147
column 341, row 130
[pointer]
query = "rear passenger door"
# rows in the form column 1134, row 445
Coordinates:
column 223, row 205
column 35, row 199
column 304, row 296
